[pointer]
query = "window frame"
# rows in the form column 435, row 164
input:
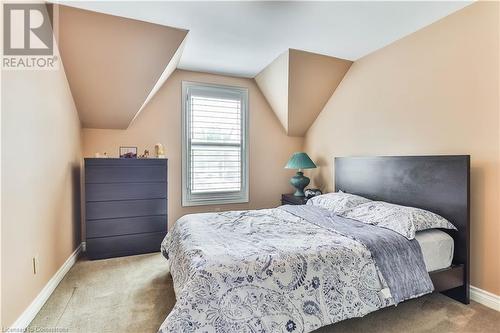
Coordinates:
column 212, row 198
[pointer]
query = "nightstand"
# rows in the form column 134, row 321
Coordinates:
column 290, row 199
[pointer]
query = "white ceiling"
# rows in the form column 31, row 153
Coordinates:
column 241, row 38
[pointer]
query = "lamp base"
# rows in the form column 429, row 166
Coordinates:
column 299, row 181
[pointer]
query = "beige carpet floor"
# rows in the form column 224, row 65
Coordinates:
column 135, row 294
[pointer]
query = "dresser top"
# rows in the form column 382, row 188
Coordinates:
column 124, row 161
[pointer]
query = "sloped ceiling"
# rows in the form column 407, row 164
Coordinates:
column 273, row 82
column 240, row 38
column 298, row 84
column 114, row 64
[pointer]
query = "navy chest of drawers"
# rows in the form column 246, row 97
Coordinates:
column 125, row 206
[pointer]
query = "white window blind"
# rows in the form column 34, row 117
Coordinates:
column 214, row 144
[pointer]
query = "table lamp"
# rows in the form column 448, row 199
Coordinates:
column 299, row 181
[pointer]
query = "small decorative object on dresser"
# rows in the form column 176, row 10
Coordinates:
column 291, row 199
column 299, row 181
column 125, row 206
column 128, row 152
column 159, row 150
column 145, row 154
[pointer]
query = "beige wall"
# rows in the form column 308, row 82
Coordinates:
column 40, row 183
column 433, row 92
column 160, row 121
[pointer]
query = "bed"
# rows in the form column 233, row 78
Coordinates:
column 298, row 268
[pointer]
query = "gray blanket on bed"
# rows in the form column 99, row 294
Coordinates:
column 399, row 260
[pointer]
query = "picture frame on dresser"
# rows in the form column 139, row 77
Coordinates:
column 128, row 152
column 126, row 204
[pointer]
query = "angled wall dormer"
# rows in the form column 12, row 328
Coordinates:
column 114, row 65
column 298, row 84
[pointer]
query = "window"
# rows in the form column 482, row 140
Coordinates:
column 214, row 144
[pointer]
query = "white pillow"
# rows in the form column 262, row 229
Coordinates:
column 401, row 219
column 337, row 202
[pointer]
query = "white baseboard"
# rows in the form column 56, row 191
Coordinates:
column 29, row 314
column 485, row 298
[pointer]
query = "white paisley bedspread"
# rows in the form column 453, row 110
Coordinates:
column 266, row 271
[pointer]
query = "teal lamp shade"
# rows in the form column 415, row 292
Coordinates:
column 299, row 181
column 300, row 161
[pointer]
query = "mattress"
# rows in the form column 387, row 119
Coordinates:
column 437, row 247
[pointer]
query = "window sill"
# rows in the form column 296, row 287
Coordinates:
column 210, row 202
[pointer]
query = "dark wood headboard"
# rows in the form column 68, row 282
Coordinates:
column 439, row 184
